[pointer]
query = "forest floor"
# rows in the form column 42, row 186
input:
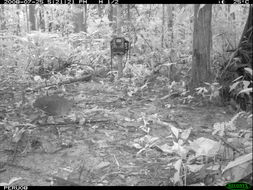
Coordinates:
column 119, row 143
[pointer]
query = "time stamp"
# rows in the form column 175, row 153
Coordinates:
column 234, row 2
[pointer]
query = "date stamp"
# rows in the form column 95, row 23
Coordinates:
column 59, row 1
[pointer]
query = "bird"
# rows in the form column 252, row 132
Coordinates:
column 54, row 105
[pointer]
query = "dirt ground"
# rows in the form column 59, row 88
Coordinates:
column 102, row 151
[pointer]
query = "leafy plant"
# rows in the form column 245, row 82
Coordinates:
column 211, row 90
column 242, row 90
column 241, row 86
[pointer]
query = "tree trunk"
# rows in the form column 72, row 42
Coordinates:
column 170, row 25
column 128, row 21
column 51, row 23
column 128, row 12
column 247, row 33
column 2, row 20
column 110, row 14
column 202, row 41
column 129, row 27
column 41, row 18
column 85, row 17
column 45, row 16
column 78, row 19
column 114, row 18
column 118, row 26
column 163, row 25
column 245, row 48
column 32, row 17
column 100, row 11
column 18, row 29
column 27, row 18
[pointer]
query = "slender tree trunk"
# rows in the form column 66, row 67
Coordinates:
column 110, row 15
column 202, row 41
column 42, row 18
column 2, row 20
column 247, row 33
column 118, row 26
column 245, row 44
column 129, row 30
column 27, row 18
column 78, row 19
column 128, row 21
column 18, row 20
column 100, row 10
column 163, row 25
column 45, row 16
column 170, row 25
column 32, row 17
column 85, row 17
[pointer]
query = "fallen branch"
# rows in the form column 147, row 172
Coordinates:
column 86, row 78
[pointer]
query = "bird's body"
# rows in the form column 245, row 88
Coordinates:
column 54, row 105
